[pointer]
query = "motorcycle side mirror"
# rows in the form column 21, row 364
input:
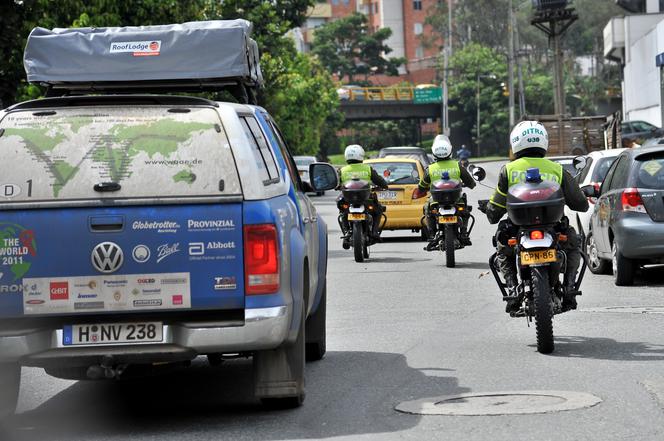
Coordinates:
column 479, row 174
column 579, row 163
column 590, row 191
column 323, row 176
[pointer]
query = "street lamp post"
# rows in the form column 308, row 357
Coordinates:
column 493, row 77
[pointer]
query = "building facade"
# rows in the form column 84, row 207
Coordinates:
column 406, row 19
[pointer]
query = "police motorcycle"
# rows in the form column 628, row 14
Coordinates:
column 535, row 221
column 446, row 206
column 357, row 206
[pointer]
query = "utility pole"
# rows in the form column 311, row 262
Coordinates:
column 510, row 62
column 522, row 95
column 447, row 54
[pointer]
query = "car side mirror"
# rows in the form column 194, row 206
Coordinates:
column 579, row 163
column 323, row 176
column 590, row 191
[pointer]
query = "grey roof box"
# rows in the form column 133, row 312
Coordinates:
column 204, row 52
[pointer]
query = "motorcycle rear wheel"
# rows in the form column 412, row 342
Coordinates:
column 543, row 309
column 358, row 243
column 450, row 238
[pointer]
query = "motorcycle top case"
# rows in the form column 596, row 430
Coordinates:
column 535, row 203
column 446, row 191
column 356, row 192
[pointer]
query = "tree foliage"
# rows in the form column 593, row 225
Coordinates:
column 348, row 48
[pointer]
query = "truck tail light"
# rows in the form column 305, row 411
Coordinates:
column 261, row 259
column 631, row 201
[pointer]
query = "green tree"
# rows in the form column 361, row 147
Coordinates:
column 348, row 48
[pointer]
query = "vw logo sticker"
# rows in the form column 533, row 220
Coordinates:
column 107, row 257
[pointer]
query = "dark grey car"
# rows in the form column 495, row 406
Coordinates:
column 628, row 219
column 639, row 131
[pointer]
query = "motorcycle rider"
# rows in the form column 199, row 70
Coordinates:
column 354, row 155
column 530, row 142
column 442, row 151
column 463, row 153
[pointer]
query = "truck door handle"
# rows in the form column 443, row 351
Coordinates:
column 314, row 219
column 306, row 220
column 106, row 223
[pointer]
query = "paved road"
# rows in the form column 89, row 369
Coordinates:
column 400, row 327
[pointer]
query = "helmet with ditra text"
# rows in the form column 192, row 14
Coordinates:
column 528, row 135
column 442, row 147
column 354, row 153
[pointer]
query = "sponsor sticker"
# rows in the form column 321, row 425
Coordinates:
column 86, row 296
column 165, row 250
column 174, row 281
column 35, row 302
column 158, row 226
column 136, row 48
column 152, row 291
column 211, row 225
column 196, row 249
column 224, row 283
column 141, row 253
column 59, row 290
column 79, row 306
column 146, row 280
column 118, row 283
column 177, row 299
column 147, row 302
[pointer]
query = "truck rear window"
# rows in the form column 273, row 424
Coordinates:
column 151, row 152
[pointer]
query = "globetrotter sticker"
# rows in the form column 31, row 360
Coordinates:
column 18, row 248
column 51, row 295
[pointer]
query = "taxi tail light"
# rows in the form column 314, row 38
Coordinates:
column 261, row 259
column 512, row 241
column 418, row 194
column 631, row 201
column 536, row 235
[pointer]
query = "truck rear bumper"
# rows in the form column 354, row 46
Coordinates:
column 263, row 328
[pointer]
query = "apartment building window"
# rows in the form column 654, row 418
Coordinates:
column 419, row 52
column 375, row 8
column 335, row 2
column 346, row 2
column 417, row 28
column 417, row 5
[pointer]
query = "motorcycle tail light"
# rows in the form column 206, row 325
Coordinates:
column 434, row 210
column 511, row 242
column 631, row 201
column 562, row 237
column 345, row 206
column 371, row 207
column 261, row 259
column 460, row 208
column 536, row 235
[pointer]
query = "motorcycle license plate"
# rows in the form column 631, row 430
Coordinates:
column 112, row 333
column 356, row 216
column 447, row 220
column 537, row 257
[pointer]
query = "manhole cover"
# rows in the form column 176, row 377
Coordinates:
column 500, row 403
column 629, row 309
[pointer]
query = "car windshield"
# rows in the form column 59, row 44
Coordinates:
column 641, row 126
column 397, row 172
column 650, row 171
column 602, row 168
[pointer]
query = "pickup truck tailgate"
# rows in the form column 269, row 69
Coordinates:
column 130, row 259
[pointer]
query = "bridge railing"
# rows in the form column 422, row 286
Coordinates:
column 377, row 94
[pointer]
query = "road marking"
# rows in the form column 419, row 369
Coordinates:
column 627, row 309
column 500, row 403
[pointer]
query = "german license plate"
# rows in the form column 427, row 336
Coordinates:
column 112, row 334
column 387, row 195
column 356, row 216
column 537, row 257
column 447, row 220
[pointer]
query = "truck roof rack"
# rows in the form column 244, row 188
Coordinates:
column 204, row 56
column 113, row 100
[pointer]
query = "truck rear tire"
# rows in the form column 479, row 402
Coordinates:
column 10, row 382
column 315, row 330
column 279, row 373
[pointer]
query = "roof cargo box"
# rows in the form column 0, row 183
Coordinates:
column 205, row 53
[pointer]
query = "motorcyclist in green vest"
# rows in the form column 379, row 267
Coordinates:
column 530, row 141
column 442, row 151
column 354, row 155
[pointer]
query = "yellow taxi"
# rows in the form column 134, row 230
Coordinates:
column 404, row 212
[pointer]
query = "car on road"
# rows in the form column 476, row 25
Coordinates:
column 595, row 170
column 566, row 161
column 407, row 152
column 627, row 221
column 639, row 131
column 303, row 163
column 143, row 231
column 404, row 210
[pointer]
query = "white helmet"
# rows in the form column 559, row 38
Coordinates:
column 442, row 147
column 527, row 135
column 354, row 152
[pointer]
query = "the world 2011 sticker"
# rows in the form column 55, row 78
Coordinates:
column 18, row 248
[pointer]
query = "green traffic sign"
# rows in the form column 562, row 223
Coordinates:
column 428, row 95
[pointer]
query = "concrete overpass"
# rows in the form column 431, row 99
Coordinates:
column 390, row 103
